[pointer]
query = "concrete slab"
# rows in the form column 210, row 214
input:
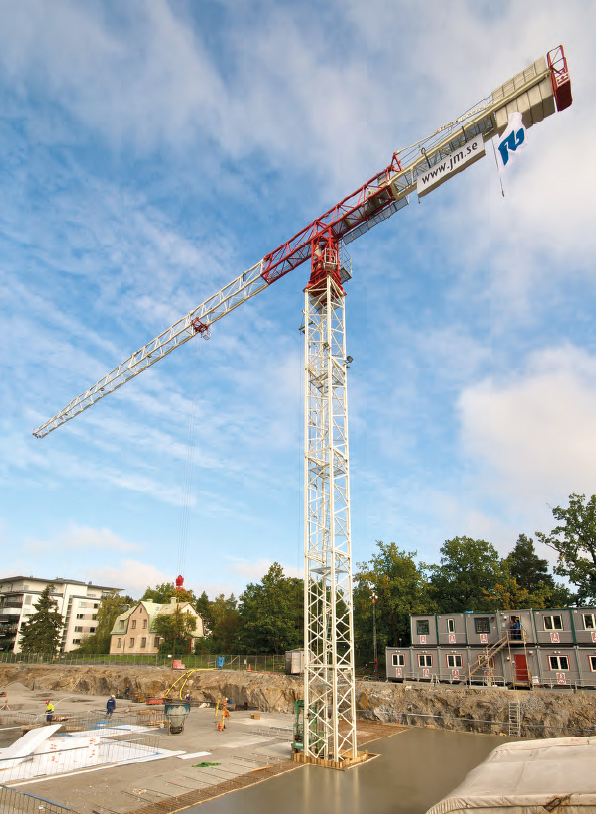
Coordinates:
column 126, row 787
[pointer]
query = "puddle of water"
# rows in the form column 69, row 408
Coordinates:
column 414, row 770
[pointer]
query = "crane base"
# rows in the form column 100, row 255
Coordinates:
column 341, row 765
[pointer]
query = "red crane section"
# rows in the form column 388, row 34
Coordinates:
column 372, row 200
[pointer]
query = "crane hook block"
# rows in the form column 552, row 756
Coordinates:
column 200, row 328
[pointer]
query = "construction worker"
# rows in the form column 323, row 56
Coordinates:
column 110, row 706
column 127, row 691
column 49, row 712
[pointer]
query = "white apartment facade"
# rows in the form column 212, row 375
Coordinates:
column 77, row 602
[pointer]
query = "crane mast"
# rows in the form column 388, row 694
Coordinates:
column 329, row 683
column 329, row 687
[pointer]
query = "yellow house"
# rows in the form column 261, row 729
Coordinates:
column 134, row 630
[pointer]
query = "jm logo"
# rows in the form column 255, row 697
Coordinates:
column 514, row 140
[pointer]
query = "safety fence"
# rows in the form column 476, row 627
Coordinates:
column 83, row 722
column 487, row 726
column 13, row 801
column 495, row 680
column 81, row 750
column 204, row 661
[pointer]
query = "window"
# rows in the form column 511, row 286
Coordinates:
column 156, row 641
column 133, row 624
column 422, row 627
column 80, row 615
column 593, row 664
column 144, row 624
column 92, row 629
column 119, row 643
column 94, row 616
column 589, row 621
column 28, row 599
column 398, row 660
column 553, row 623
column 82, row 604
column 143, row 642
column 76, row 641
column 425, row 661
column 482, row 624
column 558, row 662
column 450, row 625
column 95, row 605
column 131, row 642
column 78, row 629
column 454, row 661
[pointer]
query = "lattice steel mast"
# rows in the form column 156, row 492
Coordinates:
column 329, row 688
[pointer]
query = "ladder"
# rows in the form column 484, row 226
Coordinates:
column 514, row 719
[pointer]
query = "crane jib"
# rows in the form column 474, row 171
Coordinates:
column 535, row 93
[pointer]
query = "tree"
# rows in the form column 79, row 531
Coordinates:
column 574, row 540
column 110, row 608
column 527, row 568
column 165, row 591
column 533, row 585
column 271, row 613
column 41, row 634
column 401, row 588
column 175, row 631
column 471, row 576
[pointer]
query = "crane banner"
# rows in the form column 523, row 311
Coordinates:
column 455, row 162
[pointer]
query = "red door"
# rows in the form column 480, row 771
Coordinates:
column 522, row 674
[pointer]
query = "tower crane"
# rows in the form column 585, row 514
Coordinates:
column 329, row 685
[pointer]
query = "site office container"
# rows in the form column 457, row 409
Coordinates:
column 398, row 663
column 423, row 630
column 451, row 629
column 525, row 617
column 559, row 666
column 584, row 625
column 554, row 627
column 586, row 660
column 426, row 663
column 482, row 628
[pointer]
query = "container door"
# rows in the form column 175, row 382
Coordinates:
column 522, row 674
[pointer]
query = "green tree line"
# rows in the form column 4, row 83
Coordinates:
column 268, row 617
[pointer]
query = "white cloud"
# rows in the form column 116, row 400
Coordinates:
column 534, row 432
column 256, row 570
column 81, row 539
column 133, row 576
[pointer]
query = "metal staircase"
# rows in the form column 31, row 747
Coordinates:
column 483, row 659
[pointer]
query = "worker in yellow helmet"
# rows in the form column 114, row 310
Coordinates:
column 49, row 711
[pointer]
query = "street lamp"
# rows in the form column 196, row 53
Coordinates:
column 375, row 664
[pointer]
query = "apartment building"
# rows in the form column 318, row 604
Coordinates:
column 77, row 602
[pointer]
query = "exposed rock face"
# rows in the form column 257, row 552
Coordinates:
column 544, row 713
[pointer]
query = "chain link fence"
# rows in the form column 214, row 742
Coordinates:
column 13, row 801
column 205, row 661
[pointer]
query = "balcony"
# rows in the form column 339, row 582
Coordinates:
column 4, row 611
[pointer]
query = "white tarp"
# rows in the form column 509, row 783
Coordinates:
column 526, row 777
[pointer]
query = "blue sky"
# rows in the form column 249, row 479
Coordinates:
column 152, row 151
